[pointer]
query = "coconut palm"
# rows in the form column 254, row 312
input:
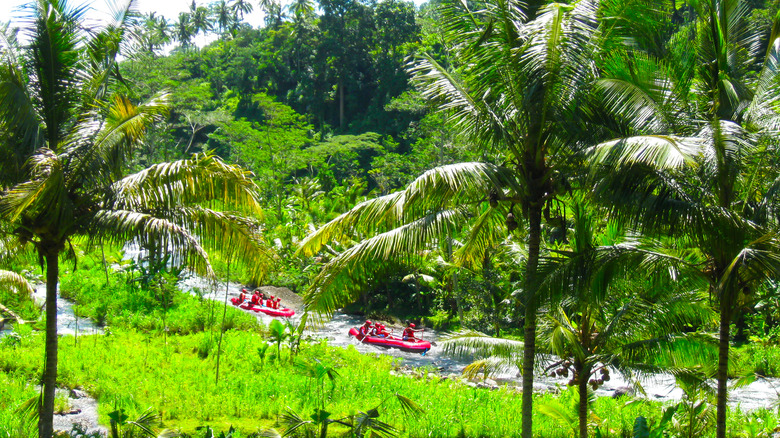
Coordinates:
column 241, row 7
column 224, row 17
column 199, row 16
column 693, row 162
column 184, row 30
column 525, row 69
column 594, row 326
column 78, row 137
column 301, row 8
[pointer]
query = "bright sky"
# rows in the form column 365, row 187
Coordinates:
column 170, row 9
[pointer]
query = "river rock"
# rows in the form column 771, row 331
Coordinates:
column 77, row 393
column 623, row 390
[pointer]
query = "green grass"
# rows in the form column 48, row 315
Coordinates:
column 15, row 391
column 133, row 371
column 122, row 302
column 134, row 367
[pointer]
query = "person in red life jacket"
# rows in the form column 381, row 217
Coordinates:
column 241, row 298
column 255, row 299
column 408, row 334
column 365, row 328
column 278, row 303
column 382, row 331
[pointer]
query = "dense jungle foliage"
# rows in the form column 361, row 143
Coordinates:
column 593, row 180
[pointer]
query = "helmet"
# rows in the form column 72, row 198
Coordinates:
column 369, row 323
column 243, row 290
column 411, row 324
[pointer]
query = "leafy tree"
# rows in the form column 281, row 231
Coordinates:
column 78, row 138
column 347, row 36
column 700, row 177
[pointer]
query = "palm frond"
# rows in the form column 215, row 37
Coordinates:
column 366, row 215
column 202, row 179
column 409, row 406
column 102, row 148
column 342, row 280
column 485, row 233
column 758, row 261
column 121, row 226
column 9, row 279
column 42, row 195
column 469, row 343
column 656, row 151
column 489, row 366
column 458, row 184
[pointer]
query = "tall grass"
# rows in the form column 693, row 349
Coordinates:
column 133, row 371
column 15, row 392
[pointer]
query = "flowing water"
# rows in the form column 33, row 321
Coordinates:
column 762, row 393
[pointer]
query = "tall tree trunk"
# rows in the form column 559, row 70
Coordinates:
column 46, row 414
column 723, row 365
column 529, row 337
column 583, row 406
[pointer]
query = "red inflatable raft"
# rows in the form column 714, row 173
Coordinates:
column 418, row 346
column 246, row 305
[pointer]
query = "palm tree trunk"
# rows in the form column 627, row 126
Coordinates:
column 583, row 407
column 46, row 414
column 529, row 338
column 723, row 366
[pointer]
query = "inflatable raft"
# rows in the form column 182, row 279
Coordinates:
column 418, row 346
column 246, row 305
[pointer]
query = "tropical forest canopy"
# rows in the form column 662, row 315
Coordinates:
column 598, row 179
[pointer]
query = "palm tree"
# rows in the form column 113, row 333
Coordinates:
column 152, row 32
column 301, row 8
column 593, row 325
column 58, row 106
column 698, row 171
column 184, row 29
column 223, row 16
column 199, row 16
column 524, row 72
column 241, row 7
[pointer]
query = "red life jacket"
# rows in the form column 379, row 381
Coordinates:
column 408, row 332
column 254, row 299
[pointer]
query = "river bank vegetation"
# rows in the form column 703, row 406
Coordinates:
column 595, row 180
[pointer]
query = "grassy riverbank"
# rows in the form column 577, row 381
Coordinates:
column 160, row 351
column 133, row 371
